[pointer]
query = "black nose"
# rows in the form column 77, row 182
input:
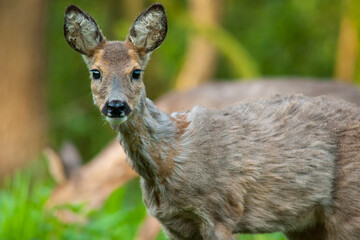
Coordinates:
column 115, row 109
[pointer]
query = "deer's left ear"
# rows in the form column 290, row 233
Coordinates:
column 149, row 29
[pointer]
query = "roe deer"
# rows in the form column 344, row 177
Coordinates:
column 90, row 185
column 285, row 164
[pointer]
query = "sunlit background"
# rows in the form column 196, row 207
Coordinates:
column 45, row 95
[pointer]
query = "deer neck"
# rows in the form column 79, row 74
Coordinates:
column 151, row 139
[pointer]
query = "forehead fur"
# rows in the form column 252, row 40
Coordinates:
column 119, row 54
column 115, row 52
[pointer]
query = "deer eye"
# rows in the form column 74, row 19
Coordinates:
column 136, row 74
column 96, row 75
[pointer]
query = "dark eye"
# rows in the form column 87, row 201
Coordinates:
column 95, row 74
column 136, row 74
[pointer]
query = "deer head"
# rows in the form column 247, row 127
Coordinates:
column 116, row 67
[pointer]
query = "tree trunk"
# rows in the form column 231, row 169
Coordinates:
column 21, row 93
column 200, row 58
column 347, row 52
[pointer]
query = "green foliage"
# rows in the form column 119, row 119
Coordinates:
column 273, row 236
column 21, row 207
column 292, row 37
column 22, row 203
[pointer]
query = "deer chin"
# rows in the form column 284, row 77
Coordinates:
column 116, row 121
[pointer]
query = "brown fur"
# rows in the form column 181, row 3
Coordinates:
column 181, row 123
column 165, row 166
column 285, row 163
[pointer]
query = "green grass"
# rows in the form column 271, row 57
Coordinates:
column 23, row 217
column 22, row 213
column 273, row 236
column 21, row 207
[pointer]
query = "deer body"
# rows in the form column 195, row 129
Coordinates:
column 278, row 164
column 262, row 166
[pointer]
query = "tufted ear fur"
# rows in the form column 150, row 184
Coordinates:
column 149, row 29
column 81, row 31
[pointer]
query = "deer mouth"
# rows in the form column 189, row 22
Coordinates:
column 116, row 120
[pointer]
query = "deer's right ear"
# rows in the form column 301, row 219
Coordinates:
column 81, row 31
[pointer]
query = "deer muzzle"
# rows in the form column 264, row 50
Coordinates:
column 116, row 109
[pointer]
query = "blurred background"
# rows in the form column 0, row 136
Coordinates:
column 45, row 95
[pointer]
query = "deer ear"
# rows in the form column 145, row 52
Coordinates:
column 55, row 165
column 149, row 29
column 81, row 31
column 62, row 166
